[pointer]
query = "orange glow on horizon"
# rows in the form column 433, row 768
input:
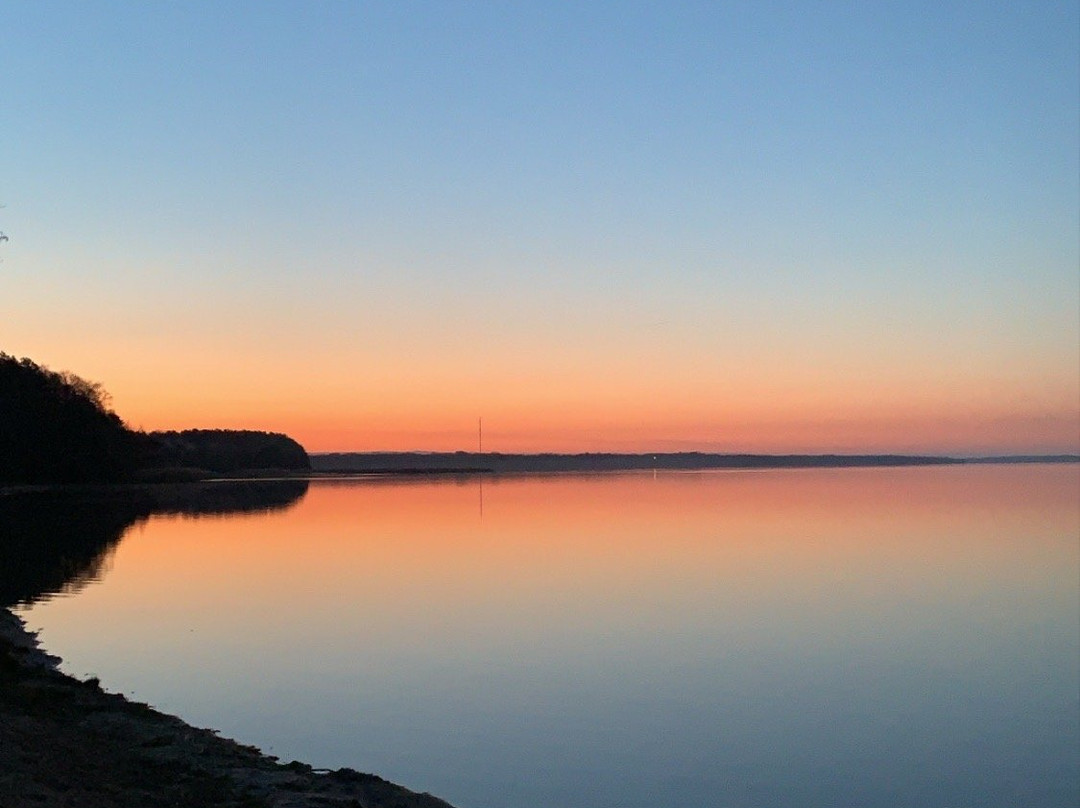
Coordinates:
column 791, row 429
column 348, row 403
column 988, row 434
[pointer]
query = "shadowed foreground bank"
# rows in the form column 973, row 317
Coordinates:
column 64, row 742
column 68, row 743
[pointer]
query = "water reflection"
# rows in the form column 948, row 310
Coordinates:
column 873, row 637
column 56, row 542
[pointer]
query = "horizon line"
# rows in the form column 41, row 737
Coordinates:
column 1070, row 454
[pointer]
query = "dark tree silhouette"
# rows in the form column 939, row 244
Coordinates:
column 224, row 451
column 58, row 428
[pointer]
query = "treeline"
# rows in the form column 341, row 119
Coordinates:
column 59, row 428
column 222, row 451
column 427, row 462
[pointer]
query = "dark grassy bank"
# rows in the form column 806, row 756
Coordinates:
column 64, row 742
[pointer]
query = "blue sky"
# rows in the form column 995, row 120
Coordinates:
column 854, row 197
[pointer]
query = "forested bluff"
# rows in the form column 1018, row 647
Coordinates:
column 58, row 428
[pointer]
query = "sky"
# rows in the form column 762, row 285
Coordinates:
column 613, row 226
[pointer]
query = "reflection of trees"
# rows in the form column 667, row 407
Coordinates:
column 228, row 496
column 58, row 541
column 53, row 543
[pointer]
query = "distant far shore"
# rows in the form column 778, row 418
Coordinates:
column 496, row 462
column 158, row 483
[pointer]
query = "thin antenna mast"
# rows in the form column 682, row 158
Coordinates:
column 480, row 435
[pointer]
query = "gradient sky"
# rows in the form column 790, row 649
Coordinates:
column 607, row 226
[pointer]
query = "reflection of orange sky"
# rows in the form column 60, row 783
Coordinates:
column 388, row 574
column 886, row 532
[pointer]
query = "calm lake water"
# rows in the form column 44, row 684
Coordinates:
column 856, row 637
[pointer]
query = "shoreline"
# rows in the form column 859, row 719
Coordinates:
column 496, row 463
column 375, row 465
column 68, row 742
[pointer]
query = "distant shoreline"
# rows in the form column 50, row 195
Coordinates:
column 340, row 463
column 337, row 465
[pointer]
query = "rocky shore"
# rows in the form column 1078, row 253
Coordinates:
column 65, row 742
